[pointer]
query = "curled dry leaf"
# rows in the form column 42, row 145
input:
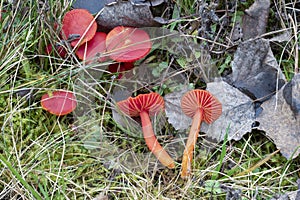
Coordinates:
column 118, row 13
column 280, row 118
column 255, row 70
column 255, row 19
column 112, row 13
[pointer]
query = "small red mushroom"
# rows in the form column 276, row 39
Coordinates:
column 59, row 102
column 2, row 11
column 59, row 49
column 96, row 45
column 146, row 105
column 78, row 22
column 120, row 68
column 199, row 105
column 127, row 44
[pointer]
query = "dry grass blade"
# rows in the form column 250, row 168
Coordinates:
column 258, row 164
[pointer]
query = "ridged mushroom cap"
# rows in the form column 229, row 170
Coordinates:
column 152, row 103
column 197, row 99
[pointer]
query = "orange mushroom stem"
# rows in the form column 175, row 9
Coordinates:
column 153, row 143
column 190, row 144
column 145, row 105
column 200, row 105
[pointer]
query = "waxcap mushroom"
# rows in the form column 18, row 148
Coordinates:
column 96, row 45
column 151, row 103
column 62, row 52
column 59, row 102
column 145, row 105
column 79, row 22
column 197, row 99
column 127, row 44
column 120, row 68
column 200, row 105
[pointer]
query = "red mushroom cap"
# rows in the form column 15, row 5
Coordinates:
column 127, row 44
column 194, row 100
column 81, row 22
column 59, row 103
column 120, row 67
column 93, row 47
column 152, row 103
column 60, row 50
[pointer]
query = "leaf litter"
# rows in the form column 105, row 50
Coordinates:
column 256, row 79
column 255, row 19
column 238, row 112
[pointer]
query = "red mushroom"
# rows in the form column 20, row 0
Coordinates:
column 146, row 105
column 79, row 22
column 199, row 105
column 96, row 45
column 120, row 68
column 62, row 52
column 126, row 44
column 59, row 102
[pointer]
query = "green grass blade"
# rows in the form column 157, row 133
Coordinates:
column 223, row 153
column 19, row 177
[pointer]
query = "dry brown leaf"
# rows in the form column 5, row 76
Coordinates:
column 237, row 112
column 255, row 70
column 125, row 13
column 255, row 19
column 280, row 118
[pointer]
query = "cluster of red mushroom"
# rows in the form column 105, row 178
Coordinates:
column 126, row 45
column 122, row 44
column 198, row 104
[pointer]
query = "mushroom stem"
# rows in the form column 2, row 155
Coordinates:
column 152, row 142
column 190, row 144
